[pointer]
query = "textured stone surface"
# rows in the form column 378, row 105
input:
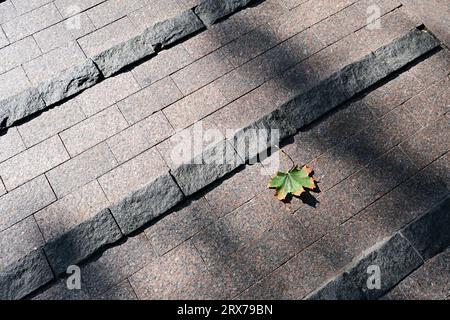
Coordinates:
column 182, row 223
column 132, row 175
column 104, row 38
column 396, row 259
column 140, row 137
column 17, row 53
column 341, row 288
column 71, row 210
column 14, row 245
column 10, row 144
column 51, row 122
column 215, row 162
column 20, row 106
column 24, row 276
column 123, row 54
column 93, row 130
column 430, row 234
column 107, row 92
column 33, row 162
column 24, row 201
column 212, row 10
column 165, row 33
column 430, row 282
column 80, row 170
column 146, row 204
column 82, row 241
column 70, row 82
column 407, row 48
column 116, row 264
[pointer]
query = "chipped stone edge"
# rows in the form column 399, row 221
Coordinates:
column 415, row 236
column 280, row 118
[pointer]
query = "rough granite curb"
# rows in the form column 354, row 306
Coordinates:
column 107, row 63
column 166, row 191
column 397, row 257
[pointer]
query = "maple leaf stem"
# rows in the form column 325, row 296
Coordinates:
column 289, row 157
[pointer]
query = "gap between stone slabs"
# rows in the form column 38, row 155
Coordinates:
column 165, row 192
column 109, row 62
column 397, row 257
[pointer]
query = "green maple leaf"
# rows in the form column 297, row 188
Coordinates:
column 292, row 182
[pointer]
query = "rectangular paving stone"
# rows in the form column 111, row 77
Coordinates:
column 33, row 162
column 10, row 144
column 132, row 175
column 23, row 6
column 140, row 137
column 434, row 68
column 299, row 276
column 188, row 143
column 432, row 103
column 183, row 222
column 50, row 64
column 146, row 204
column 396, row 258
column 201, row 72
column 429, row 234
column 58, row 35
column 24, row 201
column 122, row 291
column 429, row 282
column 82, row 241
column 149, row 100
column 80, row 170
column 72, row 7
column 112, row 10
column 168, row 32
column 7, row 11
column 63, row 86
column 24, row 276
column 235, row 230
column 161, row 65
column 13, row 82
column 50, row 122
column 18, row 241
column 32, row 22
column 3, row 39
column 212, row 164
column 161, row 277
column 229, row 194
column 71, row 210
column 107, row 92
column 116, row 264
column 349, row 20
column 392, row 94
column 17, row 53
column 2, row 188
column 428, row 143
column 249, row 108
column 93, row 130
column 359, row 149
column 107, row 37
column 195, row 106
